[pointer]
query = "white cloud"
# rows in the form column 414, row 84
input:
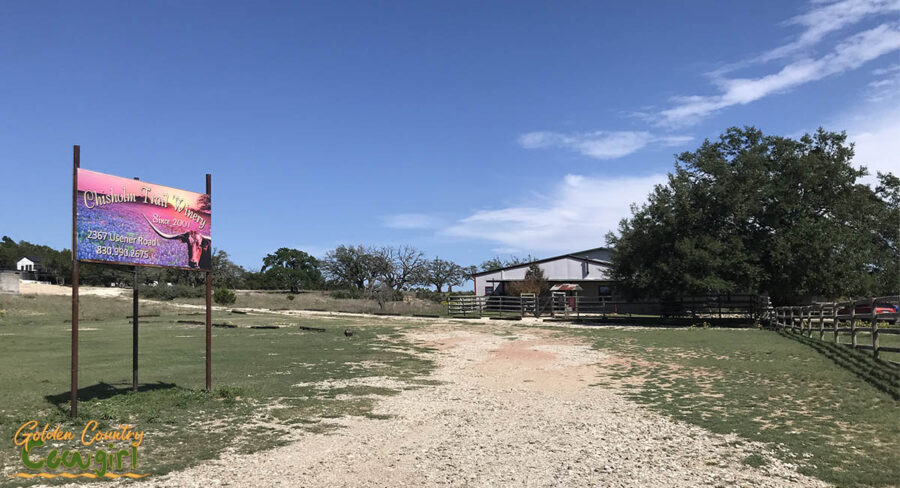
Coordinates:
column 600, row 144
column 829, row 17
column 506, row 250
column 849, row 54
column 576, row 215
column 887, row 86
column 411, row 221
column 877, row 139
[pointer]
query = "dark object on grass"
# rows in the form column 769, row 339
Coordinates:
column 348, row 333
column 241, row 312
column 264, row 327
column 142, row 316
column 316, row 329
column 198, row 322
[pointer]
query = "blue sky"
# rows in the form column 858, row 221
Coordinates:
column 467, row 129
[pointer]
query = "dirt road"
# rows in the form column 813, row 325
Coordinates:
column 511, row 410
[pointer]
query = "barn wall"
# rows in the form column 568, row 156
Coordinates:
column 563, row 270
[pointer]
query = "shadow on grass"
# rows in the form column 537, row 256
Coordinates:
column 103, row 391
column 879, row 374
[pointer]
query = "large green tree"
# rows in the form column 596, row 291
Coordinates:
column 292, row 269
column 757, row 213
column 440, row 273
column 225, row 273
column 352, row 266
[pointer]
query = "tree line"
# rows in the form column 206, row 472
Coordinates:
column 360, row 270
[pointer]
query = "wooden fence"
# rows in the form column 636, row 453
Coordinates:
column 560, row 306
column 843, row 319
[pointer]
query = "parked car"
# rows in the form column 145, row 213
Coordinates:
column 866, row 310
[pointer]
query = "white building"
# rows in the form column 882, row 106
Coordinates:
column 29, row 263
column 588, row 269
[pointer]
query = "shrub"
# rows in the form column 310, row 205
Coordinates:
column 426, row 294
column 291, row 297
column 224, row 296
column 165, row 292
column 347, row 293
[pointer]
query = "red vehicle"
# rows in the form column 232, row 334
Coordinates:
column 864, row 309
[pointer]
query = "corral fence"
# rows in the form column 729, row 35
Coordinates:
column 862, row 321
column 562, row 306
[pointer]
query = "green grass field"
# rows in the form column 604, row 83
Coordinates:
column 829, row 410
column 264, row 379
column 323, row 301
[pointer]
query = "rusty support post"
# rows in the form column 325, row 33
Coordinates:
column 76, row 160
column 209, row 303
column 134, row 329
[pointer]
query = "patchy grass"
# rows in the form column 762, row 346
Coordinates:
column 323, row 301
column 267, row 382
column 810, row 409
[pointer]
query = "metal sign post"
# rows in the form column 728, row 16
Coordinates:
column 134, row 329
column 76, row 163
column 209, row 305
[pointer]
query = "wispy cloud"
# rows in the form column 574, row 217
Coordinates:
column 828, row 17
column 576, row 215
column 411, row 221
column 887, row 86
column 849, row 54
column 600, row 144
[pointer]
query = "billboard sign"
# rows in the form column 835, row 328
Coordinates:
column 127, row 221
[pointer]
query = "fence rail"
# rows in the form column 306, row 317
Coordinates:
column 577, row 307
column 874, row 316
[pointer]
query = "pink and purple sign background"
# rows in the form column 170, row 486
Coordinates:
column 110, row 232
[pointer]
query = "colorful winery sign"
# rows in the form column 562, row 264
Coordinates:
column 128, row 221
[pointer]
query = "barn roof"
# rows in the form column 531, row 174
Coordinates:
column 572, row 255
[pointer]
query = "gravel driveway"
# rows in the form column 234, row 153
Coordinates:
column 512, row 410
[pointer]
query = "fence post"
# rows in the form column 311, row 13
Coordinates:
column 809, row 311
column 804, row 323
column 853, row 324
column 874, row 330
column 834, row 315
column 821, row 321
column 804, row 318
